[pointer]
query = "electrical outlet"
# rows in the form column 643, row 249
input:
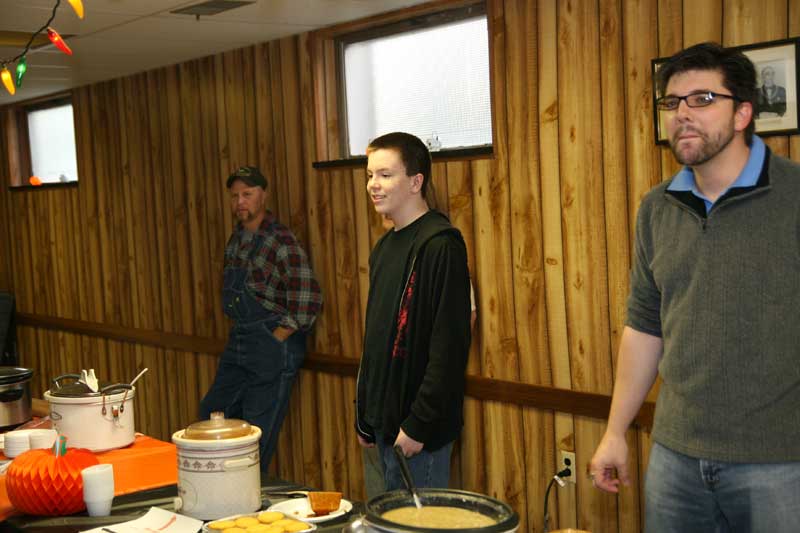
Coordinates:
column 568, row 461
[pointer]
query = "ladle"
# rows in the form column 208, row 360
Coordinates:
column 138, row 376
column 406, row 474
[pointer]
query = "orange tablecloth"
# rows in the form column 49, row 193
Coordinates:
column 148, row 463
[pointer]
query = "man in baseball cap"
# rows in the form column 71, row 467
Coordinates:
column 270, row 294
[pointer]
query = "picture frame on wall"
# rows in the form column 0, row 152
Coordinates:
column 776, row 108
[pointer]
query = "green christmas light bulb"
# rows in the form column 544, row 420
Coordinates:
column 22, row 68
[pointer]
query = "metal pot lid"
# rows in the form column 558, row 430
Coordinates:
column 12, row 374
column 78, row 389
column 217, row 428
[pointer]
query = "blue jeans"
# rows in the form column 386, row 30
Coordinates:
column 254, row 381
column 428, row 469
column 374, row 483
column 685, row 495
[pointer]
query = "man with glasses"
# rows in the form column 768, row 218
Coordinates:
column 714, row 308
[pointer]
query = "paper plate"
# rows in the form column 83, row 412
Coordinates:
column 206, row 529
column 300, row 508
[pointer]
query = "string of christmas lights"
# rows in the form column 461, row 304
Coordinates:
column 10, row 83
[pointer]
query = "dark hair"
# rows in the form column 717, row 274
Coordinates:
column 738, row 73
column 413, row 152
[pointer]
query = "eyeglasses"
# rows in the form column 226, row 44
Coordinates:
column 671, row 103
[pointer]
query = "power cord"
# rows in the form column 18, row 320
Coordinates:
column 556, row 479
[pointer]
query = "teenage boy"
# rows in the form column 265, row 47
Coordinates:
column 410, row 388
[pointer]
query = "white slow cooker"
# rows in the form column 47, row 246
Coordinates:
column 99, row 421
column 219, row 472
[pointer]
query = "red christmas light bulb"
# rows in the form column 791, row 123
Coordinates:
column 56, row 39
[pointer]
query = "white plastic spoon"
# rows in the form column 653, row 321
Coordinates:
column 138, row 376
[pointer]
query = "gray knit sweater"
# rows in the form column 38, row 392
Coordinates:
column 723, row 291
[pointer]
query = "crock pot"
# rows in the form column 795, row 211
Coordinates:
column 507, row 521
column 219, row 472
column 99, row 421
column 15, row 395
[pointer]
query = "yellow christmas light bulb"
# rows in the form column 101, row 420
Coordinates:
column 8, row 81
column 77, row 5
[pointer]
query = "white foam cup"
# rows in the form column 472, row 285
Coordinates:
column 102, row 508
column 43, row 438
column 16, row 442
column 98, row 489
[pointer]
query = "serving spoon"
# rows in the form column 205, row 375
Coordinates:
column 137, row 377
column 406, row 474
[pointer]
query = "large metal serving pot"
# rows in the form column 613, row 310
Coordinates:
column 15, row 395
column 507, row 520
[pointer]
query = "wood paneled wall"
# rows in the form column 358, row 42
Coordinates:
column 548, row 224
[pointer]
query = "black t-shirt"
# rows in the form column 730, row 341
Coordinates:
column 387, row 277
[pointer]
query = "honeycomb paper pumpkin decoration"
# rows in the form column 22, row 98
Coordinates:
column 48, row 482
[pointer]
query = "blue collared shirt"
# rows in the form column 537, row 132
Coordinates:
column 684, row 180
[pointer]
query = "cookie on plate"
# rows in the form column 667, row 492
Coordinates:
column 259, row 528
column 268, row 517
column 246, row 521
column 295, row 525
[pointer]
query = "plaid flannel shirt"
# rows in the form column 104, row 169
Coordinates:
column 279, row 275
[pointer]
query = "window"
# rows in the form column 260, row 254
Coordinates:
column 51, row 138
column 427, row 76
column 40, row 142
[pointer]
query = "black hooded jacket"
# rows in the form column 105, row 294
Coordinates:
column 416, row 370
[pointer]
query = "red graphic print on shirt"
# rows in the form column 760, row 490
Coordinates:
column 399, row 348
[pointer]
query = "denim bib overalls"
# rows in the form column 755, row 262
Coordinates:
column 256, row 370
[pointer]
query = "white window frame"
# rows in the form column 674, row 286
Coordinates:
column 41, row 106
column 407, row 25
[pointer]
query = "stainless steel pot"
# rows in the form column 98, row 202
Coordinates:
column 15, row 395
column 507, row 520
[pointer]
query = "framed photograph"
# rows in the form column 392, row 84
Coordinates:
column 776, row 107
column 658, row 118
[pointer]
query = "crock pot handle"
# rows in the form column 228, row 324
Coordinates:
column 111, row 388
column 56, row 380
column 237, row 464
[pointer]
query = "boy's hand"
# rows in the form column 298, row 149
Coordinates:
column 364, row 443
column 409, row 446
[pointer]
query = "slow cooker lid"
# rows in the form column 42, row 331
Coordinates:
column 78, row 390
column 217, row 428
column 12, row 374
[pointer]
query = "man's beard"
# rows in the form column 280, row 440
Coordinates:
column 707, row 149
column 246, row 216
